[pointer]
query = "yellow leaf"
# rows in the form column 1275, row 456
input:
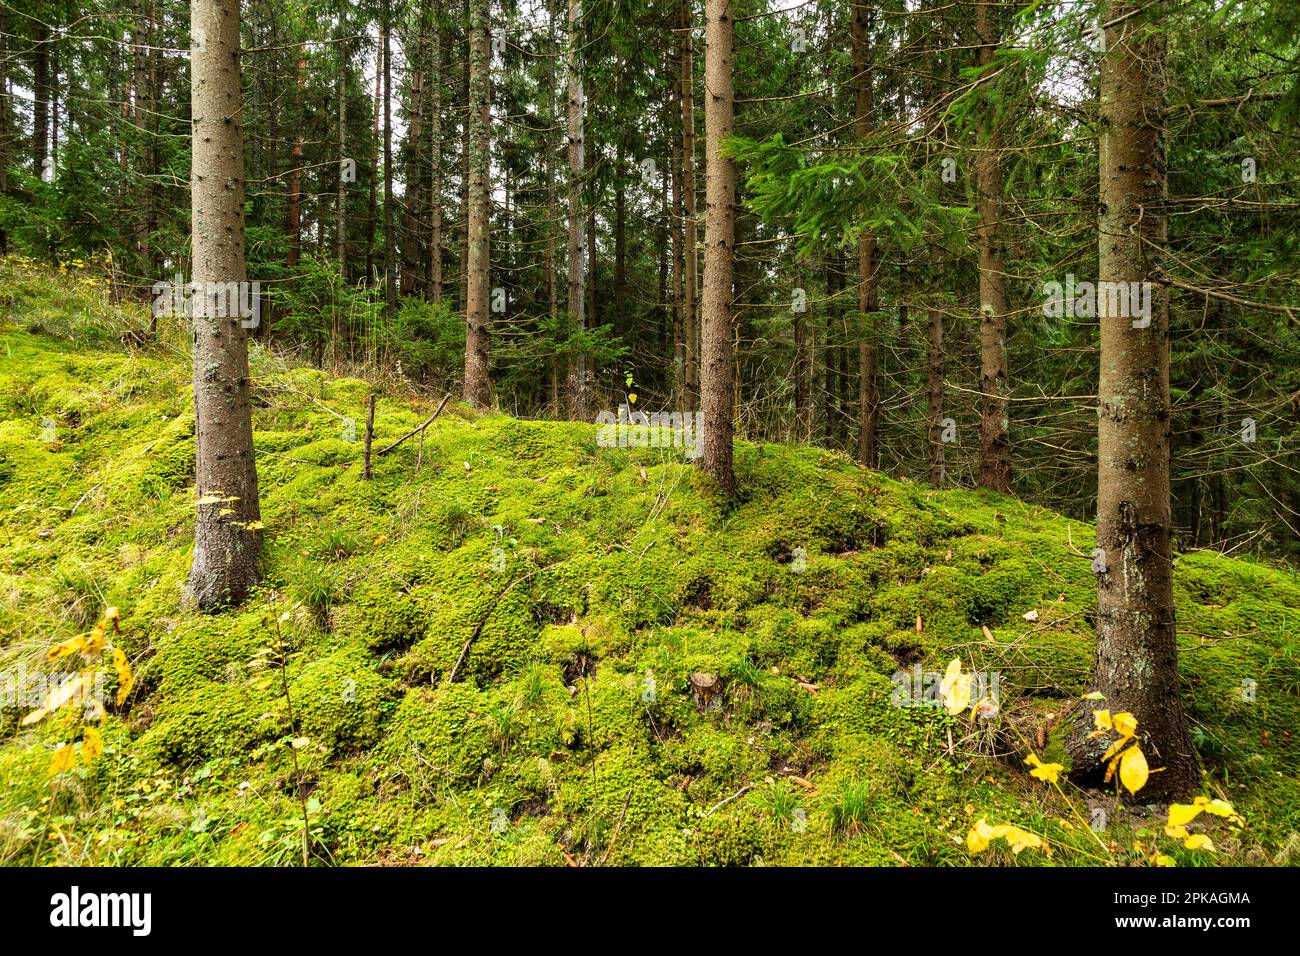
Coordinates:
column 1126, row 724
column 1162, row 860
column 1220, row 808
column 1133, row 769
column 124, row 678
column 1199, row 841
column 977, row 841
column 1176, row 831
column 92, row 744
column 1095, row 695
column 1050, row 772
column 955, row 687
column 1182, row 813
column 1101, row 720
column 1022, row 839
column 73, row 645
column 65, row 758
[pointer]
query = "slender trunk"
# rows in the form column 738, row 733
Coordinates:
column 341, row 198
column 40, row 96
column 413, row 214
column 868, row 279
column 372, row 218
column 995, row 446
column 1137, row 655
column 934, row 362
column 576, row 252
column 295, row 179
column 435, row 160
column 478, row 383
column 679, row 301
column 718, row 372
column 390, row 242
column 686, row 62
column 227, row 535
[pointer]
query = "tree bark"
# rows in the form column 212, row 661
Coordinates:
column 435, row 160
column 1137, row 656
column 686, row 62
column 868, row 279
column 718, row 371
column 577, row 253
column 227, row 535
column 294, row 224
column 995, row 444
column 390, row 270
column 478, row 383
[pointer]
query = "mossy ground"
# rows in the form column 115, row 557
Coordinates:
column 573, row 736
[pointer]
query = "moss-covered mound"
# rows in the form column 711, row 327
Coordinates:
column 597, row 580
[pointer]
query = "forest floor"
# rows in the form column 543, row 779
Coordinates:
column 573, row 736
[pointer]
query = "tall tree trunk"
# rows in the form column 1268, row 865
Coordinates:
column 413, row 271
column 40, row 96
column 718, row 372
column 341, row 198
column 372, row 218
column 1137, row 655
column 577, row 297
column 934, row 362
column 478, row 383
column 679, row 301
column 295, row 179
column 4, row 120
column 868, row 279
column 686, row 63
column 227, row 535
column 995, row 445
column 390, row 241
column 435, row 160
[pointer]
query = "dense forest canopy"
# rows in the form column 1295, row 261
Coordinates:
column 358, row 177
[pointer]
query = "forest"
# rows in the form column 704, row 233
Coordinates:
column 627, row 433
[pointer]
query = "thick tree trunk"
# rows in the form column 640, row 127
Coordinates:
column 577, row 253
column 691, row 327
column 995, row 445
column 227, row 535
column 1137, row 657
column 478, row 383
column 718, row 368
column 868, row 279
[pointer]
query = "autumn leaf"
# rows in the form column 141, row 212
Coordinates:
column 955, row 687
column 1133, row 769
column 92, row 744
column 65, row 758
column 124, row 679
column 1050, row 772
column 73, row 645
column 1199, row 841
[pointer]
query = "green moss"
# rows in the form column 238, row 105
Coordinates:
column 572, row 729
